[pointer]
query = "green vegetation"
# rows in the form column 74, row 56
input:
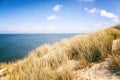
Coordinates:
column 52, row 62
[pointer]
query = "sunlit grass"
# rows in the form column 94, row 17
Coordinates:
column 115, row 59
column 51, row 62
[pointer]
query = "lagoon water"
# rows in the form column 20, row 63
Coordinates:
column 17, row 46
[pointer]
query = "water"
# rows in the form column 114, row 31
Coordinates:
column 17, row 46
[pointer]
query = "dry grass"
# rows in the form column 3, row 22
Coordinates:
column 117, row 27
column 44, row 68
column 51, row 62
column 92, row 47
column 115, row 59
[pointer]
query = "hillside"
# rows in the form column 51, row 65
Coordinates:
column 94, row 56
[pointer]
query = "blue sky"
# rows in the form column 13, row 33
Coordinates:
column 58, row 16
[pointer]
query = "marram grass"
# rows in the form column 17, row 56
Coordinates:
column 51, row 62
column 115, row 58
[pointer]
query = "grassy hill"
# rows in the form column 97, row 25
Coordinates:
column 68, row 58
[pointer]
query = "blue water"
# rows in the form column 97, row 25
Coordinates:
column 17, row 46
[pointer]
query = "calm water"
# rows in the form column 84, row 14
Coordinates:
column 17, row 46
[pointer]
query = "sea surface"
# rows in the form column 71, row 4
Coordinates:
column 17, row 46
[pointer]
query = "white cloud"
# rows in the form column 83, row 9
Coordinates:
column 87, row 0
column 93, row 10
column 53, row 17
column 103, row 13
column 108, row 14
column 57, row 8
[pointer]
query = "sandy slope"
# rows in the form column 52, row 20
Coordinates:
column 99, row 71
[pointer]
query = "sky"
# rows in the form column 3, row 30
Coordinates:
column 58, row 16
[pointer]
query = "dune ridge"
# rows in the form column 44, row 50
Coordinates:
column 70, row 59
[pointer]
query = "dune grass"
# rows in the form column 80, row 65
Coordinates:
column 115, row 59
column 117, row 27
column 51, row 62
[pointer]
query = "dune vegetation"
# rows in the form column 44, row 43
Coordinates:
column 115, row 59
column 60, row 60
